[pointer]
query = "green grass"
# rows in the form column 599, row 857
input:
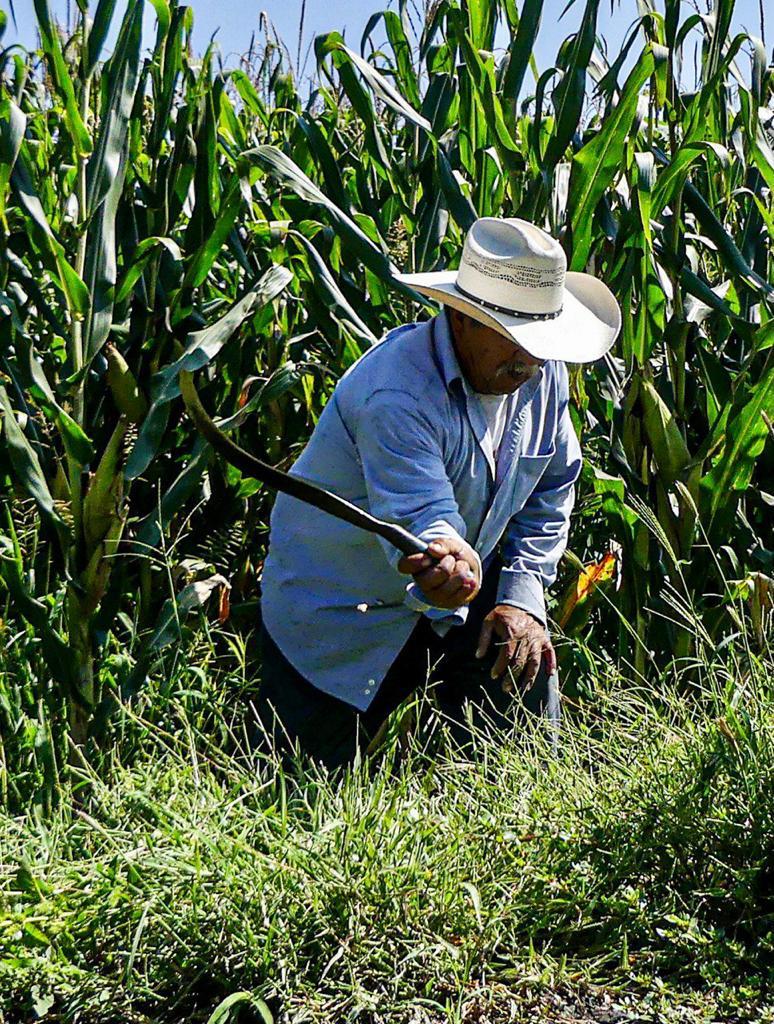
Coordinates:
column 422, row 888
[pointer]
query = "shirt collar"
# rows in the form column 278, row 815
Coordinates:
column 444, row 347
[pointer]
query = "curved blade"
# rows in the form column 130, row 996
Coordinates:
column 295, row 486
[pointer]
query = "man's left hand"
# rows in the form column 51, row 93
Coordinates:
column 523, row 642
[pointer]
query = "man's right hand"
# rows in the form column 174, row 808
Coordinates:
column 448, row 575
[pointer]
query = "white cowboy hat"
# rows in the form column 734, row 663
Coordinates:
column 513, row 277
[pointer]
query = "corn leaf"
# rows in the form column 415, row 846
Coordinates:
column 56, row 651
column 202, row 346
column 106, row 177
column 60, row 75
column 289, row 174
column 204, row 258
column 727, row 248
column 330, row 293
column 175, row 612
column 77, row 445
column 98, row 32
column 380, row 85
column 520, row 52
column 12, row 125
column 569, row 93
column 26, row 465
column 746, row 435
column 595, row 165
column 149, row 530
column 140, row 259
column 75, row 290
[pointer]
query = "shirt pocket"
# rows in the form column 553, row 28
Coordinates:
column 531, row 467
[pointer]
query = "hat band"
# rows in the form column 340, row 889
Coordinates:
column 506, row 309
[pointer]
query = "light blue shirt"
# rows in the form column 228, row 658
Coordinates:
column 405, row 437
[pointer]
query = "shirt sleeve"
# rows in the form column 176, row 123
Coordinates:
column 536, row 536
column 401, row 456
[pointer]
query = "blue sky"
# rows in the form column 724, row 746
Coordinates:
column 235, row 20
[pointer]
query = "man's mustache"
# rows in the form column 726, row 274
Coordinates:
column 518, row 370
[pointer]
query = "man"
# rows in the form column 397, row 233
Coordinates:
column 458, row 429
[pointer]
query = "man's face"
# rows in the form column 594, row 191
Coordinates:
column 492, row 364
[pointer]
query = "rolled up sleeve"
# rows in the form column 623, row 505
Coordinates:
column 536, row 536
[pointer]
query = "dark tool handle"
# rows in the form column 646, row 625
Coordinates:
column 295, row 486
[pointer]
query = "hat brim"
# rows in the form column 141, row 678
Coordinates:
column 584, row 331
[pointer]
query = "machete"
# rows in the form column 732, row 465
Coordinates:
column 295, row 486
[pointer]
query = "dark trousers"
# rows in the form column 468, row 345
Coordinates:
column 292, row 712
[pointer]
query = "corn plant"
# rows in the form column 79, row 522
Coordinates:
column 160, row 213
column 105, row 256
